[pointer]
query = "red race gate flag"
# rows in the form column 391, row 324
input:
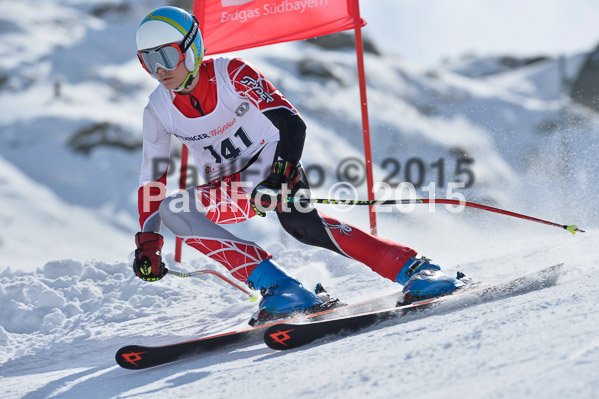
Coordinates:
column 229, row 25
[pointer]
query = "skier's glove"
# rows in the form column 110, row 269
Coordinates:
column 148, row 264
column 268, row 193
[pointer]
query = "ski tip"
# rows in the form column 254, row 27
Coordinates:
column 573, row 229
column 130, row 357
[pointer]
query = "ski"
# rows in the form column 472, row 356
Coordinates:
column 290, row 335
column 136, row 357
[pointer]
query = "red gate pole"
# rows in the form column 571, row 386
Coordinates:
column 182, row 186
column 364, row 106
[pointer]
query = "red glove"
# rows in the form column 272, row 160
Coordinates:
column 148, row 264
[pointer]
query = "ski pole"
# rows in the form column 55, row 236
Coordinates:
column 572, row 228
column 252, row 294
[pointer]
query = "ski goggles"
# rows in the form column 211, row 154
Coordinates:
column 168, row 56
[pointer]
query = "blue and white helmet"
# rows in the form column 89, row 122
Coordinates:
column 167, row 25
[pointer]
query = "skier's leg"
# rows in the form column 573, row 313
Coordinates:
column 198, row 222
column 383, row 256
column 391, row 260
column 195, row 215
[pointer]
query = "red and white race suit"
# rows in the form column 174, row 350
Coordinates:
column 235, row 124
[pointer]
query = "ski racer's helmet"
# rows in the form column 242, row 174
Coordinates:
column 168, row 36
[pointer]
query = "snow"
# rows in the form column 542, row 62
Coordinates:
column 70, row 300
column 65, row 327
column 37, row 224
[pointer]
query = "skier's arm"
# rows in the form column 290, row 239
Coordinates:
column 292, row 130
column 251, row 84
column 147, row 263
column 152, row 178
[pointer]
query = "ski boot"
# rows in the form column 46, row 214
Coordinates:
column 283, row 295
column 423, row 280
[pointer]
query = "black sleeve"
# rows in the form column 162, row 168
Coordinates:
column 292, row 130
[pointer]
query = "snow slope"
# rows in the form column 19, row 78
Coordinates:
column 63, row 324
column 71, row 102
column 37, row 223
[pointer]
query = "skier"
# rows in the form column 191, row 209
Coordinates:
column 246, row 140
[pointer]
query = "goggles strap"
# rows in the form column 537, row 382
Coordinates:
column 190, row 36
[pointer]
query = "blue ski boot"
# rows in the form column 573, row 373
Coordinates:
column 282, row 295
column 424, row 280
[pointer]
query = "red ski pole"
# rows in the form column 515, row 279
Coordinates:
column 572, row 228
column 252, row 294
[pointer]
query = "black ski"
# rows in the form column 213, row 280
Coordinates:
column 290, row 335
column 137, row 357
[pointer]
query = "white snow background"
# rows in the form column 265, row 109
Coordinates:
column 71, row 99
